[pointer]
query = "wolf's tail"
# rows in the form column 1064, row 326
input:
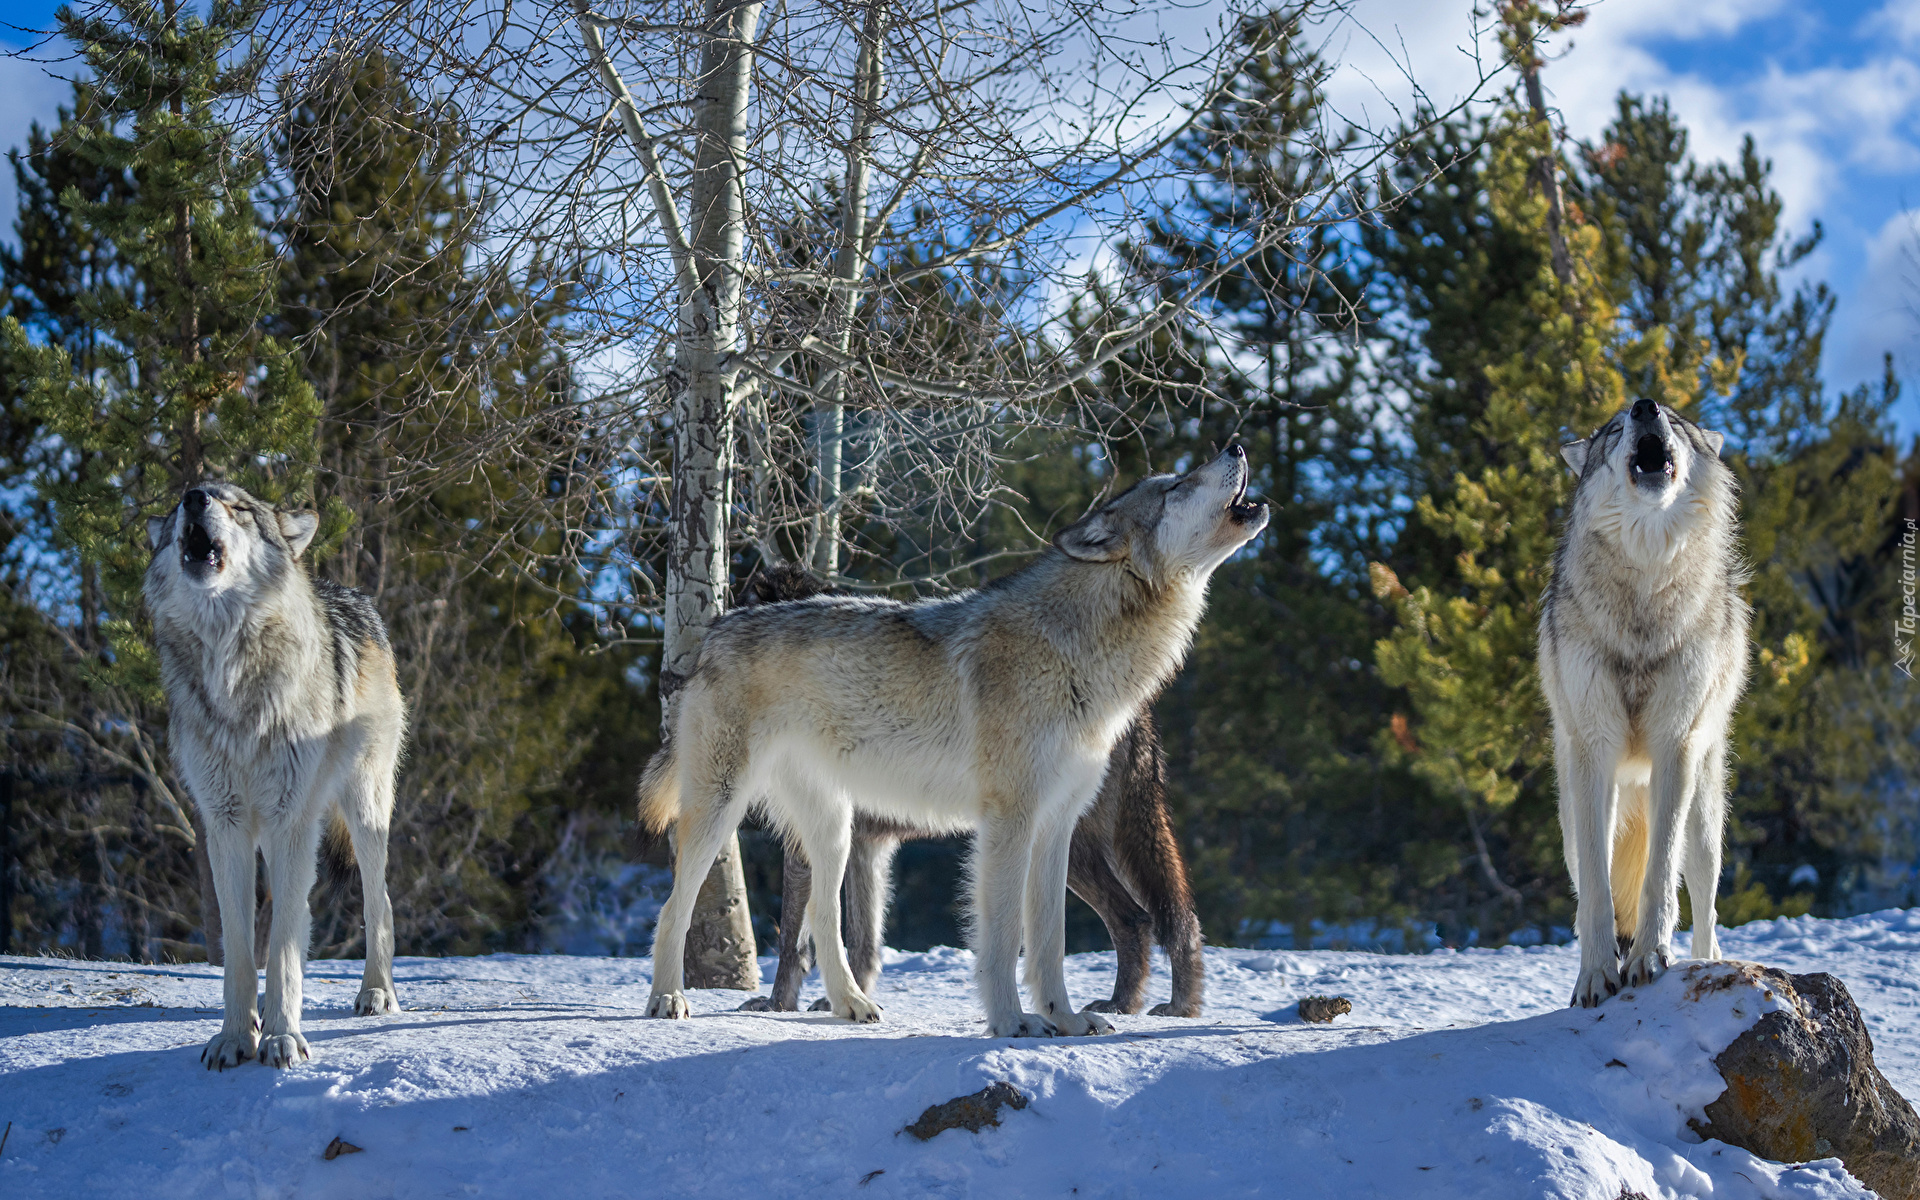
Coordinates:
column 660, row 791
column 337, row 863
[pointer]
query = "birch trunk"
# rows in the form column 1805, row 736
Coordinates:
column 720, row 948
column 849, row 264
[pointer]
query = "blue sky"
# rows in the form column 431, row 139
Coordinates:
column 1830, row 88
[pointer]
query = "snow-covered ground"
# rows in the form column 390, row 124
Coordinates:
column 1457, row 1074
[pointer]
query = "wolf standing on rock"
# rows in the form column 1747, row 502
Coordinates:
column 1643, row 654
column 994, row 710
column 283, row 706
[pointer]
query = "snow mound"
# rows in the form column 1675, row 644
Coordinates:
column 1457, row 1074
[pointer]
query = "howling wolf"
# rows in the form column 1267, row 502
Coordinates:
column 1124, row 862
column 1643, row 654
column 283, row 707
column 995, row 710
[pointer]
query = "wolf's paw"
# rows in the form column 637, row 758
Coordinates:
column 230, row 1049
column 1643, row 969
column 1105, row 1006
column 375, row 1002
column 669, row 1006
column 1079, row 1024
column 1595, row 984
column 1022, row 1025
column 1171, row 1009
column 821, row 1005
column 283, row 1050
column 859, row 1010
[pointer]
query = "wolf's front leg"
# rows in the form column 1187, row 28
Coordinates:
column 1587, row 804
column 1675, row 770
column 1003, row 849
column 368, row 809
column 1700, row 857
column 230, row 855
column 1046, row 928
column 290, row 853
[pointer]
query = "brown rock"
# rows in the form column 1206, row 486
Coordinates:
column 974, row 1113
column 1801, row 1085
column 1321, row 1009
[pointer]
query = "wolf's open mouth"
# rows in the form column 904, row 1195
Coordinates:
column 1651, row 462
column 1240, row 508
column 199, row 547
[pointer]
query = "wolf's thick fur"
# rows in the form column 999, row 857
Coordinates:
column 995, row 710
column 1643, row 654
column 283, row 708
column 1125, row 863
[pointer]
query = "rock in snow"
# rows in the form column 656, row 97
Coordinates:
column 1458, row 1074
column 1801, row 1084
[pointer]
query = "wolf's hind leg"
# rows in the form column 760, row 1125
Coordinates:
column 230, row 853
column 1700, row 860
column 826, row 836
column 711, row 809
column 291, row 853
column 367, row 807
column 796, row 884
column 1093, row 879
column 868, row 889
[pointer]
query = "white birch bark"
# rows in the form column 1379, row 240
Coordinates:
column 720, row 943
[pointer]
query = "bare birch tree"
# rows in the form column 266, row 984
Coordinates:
column 821, row 252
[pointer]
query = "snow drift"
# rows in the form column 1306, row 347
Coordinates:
column 1457, row 1074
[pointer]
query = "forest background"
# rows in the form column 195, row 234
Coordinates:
column 1357, row 745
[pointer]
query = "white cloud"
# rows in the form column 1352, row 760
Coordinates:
column 1882, row 309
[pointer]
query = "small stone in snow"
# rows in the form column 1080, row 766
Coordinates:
column 973, row 1113
column 1321, row 1009
column 337, row 1147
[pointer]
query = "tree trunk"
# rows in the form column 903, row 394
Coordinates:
column 849, row 264
column 720, row 949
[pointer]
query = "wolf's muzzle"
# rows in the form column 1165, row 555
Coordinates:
column 197, row 546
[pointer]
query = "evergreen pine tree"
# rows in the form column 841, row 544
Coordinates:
column 184, row 384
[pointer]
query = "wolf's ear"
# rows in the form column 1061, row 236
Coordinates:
column 1715, row 440
column 156, row 530
column 1098, row 538
column 298, row 526
column 1576, row 454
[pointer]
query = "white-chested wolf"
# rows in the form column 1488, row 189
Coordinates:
column 1125, row 863
column 1643, row 654
column 994, row 710
column 283, row 708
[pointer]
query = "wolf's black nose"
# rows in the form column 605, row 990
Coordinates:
column 1237, row 450
column 195, row 501
column 1645, row 410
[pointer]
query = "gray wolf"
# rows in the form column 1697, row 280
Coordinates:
column 994, row 710
column 1643, row 654
column 284, row 709
column 1124, row 862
